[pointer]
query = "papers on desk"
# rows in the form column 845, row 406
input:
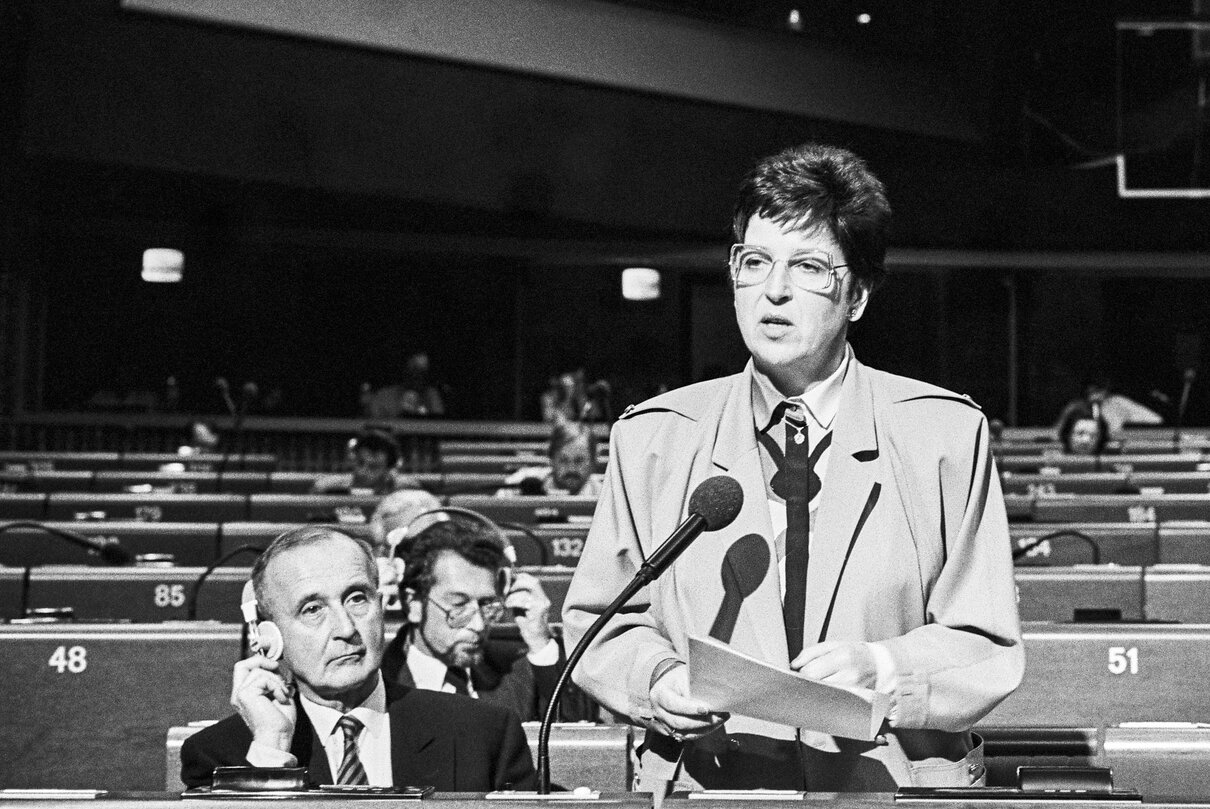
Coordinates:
column 728, row 680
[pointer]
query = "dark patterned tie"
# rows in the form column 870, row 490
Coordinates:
column 351, row 769
column 797, row 490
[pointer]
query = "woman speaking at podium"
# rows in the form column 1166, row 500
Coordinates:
column 872, row 549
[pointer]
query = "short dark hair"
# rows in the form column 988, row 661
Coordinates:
column 565, row 432
column 477, row 544
column 819, row 185
column 1079, row 414
column 374, row 440
column 300, row 537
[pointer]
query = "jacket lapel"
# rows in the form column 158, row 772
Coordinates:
column 851, row 487
column 418, row 758
column 308, row 748
column 735, row 453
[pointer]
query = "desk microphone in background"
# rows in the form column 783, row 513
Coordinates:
column 235, row 438
column 714, row 504
column 1189, row 376
column 112, row 553
column 224, row 390
column 191, row 611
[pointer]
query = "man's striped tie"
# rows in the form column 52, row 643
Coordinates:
column 351, row 769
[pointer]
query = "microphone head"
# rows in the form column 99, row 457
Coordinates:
column 251, row 390
column 717, row 500
column 1190, row 374
column 114, row 554
column 221, row 383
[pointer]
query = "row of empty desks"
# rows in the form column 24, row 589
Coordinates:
column 89, row 706
column 1135, row 508
column 155, row 594
column 1170, row 593
column 185, row 482
column 1165, row 593
column 201, row 543
column 32, row 460
column 1056, row 463
column 1122, row 543
column 354, row 508
column 1106, row 483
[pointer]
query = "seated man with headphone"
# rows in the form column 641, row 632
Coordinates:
column 314, row 696
column 457, row 583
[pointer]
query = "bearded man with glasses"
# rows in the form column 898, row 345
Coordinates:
column 456, row 585
column 872, row 546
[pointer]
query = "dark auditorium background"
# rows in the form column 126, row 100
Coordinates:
column 341, row 207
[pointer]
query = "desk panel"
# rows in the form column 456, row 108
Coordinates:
column 1069, row 483
column 208, row 462
column 1173, row 761
column 1104, row 674
column 492, row 464
column 22, row 506
column 29, row 460
column 1171, row 482
column 292, row 482
column 459, row 447
column 529, row 510
column 140, row 594
column 260, row 534
column 11, row 587
column 1063, row 593
column 304, row 508
column 1053, row 463
column 470, row 483
column 1178, row 593
column 77, row 480
column 1185, row 543
column 149, row 507
column 148, row 481
column 183, row 482
column 551, row 543
column 1160, row 462
column 1121, row 508
column 193, row 543
column 93, row 702
column 1119, row 543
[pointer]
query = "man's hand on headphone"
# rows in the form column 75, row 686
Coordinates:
column 529, row 603
column 265, row 701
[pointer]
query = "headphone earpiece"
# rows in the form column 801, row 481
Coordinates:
column 510, row 553
column 263, row 636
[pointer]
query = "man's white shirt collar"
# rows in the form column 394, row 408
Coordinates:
column 372, row 713
column 428, row 673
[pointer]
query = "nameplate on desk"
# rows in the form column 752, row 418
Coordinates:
column 964, row 794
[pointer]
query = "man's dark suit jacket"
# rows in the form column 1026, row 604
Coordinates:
column 506, row 678
column 439, row 740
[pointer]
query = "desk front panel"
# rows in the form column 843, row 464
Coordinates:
column 139, row 594
column 190, row 543
column 88, row 706
column 1095, row 675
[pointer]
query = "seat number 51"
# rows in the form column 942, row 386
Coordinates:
column 1123, row 660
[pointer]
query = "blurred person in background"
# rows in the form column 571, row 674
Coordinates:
column 572, row 455
column 373, row 456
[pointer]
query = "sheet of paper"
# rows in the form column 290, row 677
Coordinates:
column 728, row 680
